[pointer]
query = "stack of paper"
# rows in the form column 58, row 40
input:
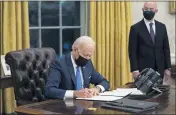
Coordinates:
column 133, row 91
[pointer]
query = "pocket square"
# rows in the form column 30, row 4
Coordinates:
column 90, row 77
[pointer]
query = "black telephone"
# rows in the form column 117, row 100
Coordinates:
column 148, row 80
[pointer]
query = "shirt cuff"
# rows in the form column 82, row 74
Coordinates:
column 68, row 94
column 101, row 87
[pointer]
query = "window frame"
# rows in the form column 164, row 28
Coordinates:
column 82, row 27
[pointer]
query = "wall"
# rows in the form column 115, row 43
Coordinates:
column 163, row 16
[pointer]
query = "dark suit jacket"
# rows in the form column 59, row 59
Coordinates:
column 143, row 53
column 62, row 77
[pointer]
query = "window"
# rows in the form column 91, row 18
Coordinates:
column 56, row 24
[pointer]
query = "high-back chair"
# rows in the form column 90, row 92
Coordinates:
column 29, row 69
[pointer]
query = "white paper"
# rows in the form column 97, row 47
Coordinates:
column 102, row 98
column 133, row 91
column 5, row 66
column 115, row 93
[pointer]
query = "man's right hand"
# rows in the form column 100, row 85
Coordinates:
column 136, row 74
column 83, row 93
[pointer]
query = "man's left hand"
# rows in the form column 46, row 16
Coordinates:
column 167, row 74
column 94, row 91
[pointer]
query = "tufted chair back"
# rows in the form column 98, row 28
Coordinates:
column 29, row 69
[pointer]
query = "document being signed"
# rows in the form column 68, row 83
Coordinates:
column 102, row 98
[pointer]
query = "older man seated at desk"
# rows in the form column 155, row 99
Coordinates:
column 71, row 75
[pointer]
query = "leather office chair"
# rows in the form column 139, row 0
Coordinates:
column 29, row 69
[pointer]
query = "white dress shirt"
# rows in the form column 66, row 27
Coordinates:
column 147, row 23
column 69, row 93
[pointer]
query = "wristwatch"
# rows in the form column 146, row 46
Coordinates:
column 98, row 88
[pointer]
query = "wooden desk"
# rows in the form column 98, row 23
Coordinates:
column 166, row 101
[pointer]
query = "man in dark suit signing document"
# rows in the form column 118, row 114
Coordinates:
column 71, row 75
column 149, row 44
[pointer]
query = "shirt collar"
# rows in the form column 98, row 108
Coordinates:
column 149, row 21
column 73, row 61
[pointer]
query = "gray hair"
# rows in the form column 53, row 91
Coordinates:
column 83, row 40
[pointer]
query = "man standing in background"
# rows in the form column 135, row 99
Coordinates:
column 149, row 44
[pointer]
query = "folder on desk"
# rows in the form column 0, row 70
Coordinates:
column 129, row 105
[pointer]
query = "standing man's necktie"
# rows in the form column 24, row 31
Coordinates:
column 78, row 79
column 152, row 34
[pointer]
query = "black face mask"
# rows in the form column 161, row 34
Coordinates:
column 81, row 61
column 148, row 14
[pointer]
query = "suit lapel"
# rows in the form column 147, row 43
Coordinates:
column 146, row 33
column 70, row 68
column 157, row 34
